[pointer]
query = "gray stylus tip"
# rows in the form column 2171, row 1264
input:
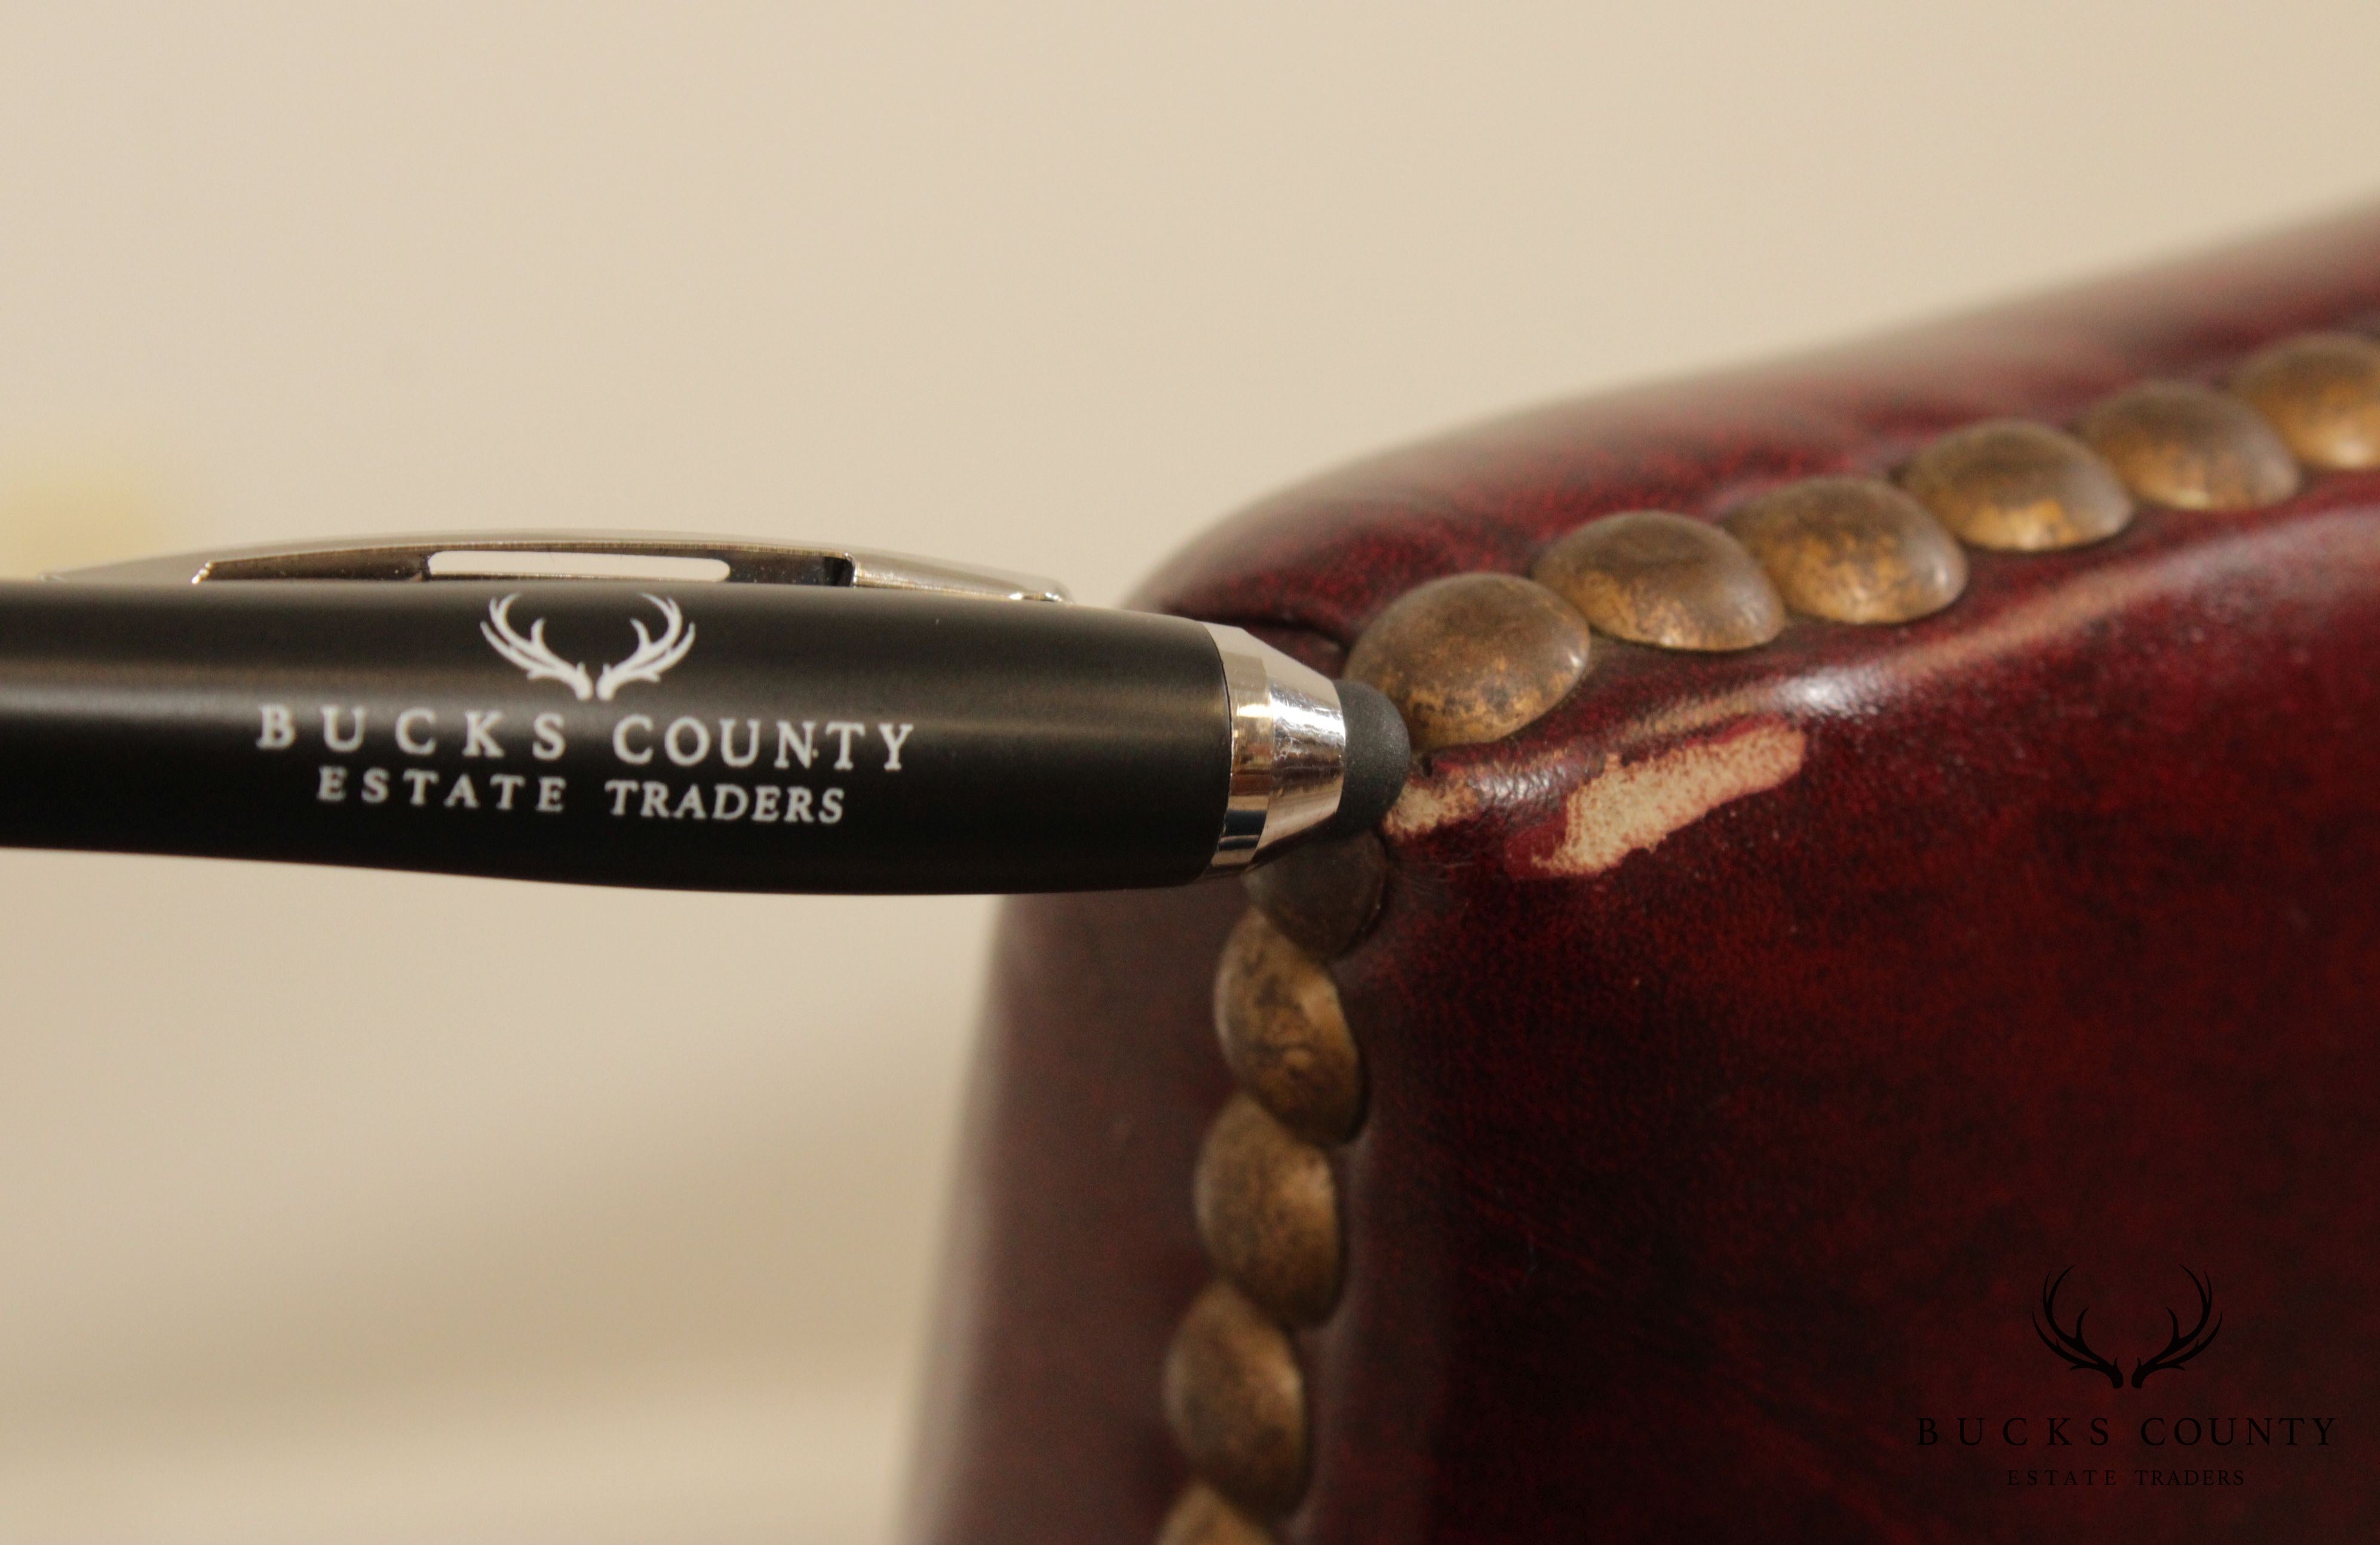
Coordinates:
column 1378, row 754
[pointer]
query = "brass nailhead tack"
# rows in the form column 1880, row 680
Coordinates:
column 1201, row 1516
column 1237, row 1401
column 2322, row 393
column 1323, row 895
column 1284, row 1034
column 2191, row 448
column 1657, row 578
column 2019, row 487
column 1852, row 549
column 1269, row 1211
column 1472, row 658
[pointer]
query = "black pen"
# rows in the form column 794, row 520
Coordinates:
column 674, row 711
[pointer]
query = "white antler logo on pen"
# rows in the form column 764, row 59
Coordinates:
column 653, row 656
column 533, row 655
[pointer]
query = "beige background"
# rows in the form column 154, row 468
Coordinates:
column 368, row 1208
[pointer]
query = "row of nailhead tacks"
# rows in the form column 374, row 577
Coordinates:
column 1475, row 657
column 1265, row 1195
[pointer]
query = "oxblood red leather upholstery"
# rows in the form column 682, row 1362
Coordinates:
column 2041, row 933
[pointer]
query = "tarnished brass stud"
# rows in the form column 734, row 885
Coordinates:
column 1269, row 1211
column 2018, row 485
column 1852, row 549
column 2191, row 447
column 2322, row 393
column 1323, row 895
column 1657, row 578
column 1473, row 656
column 1201, row 1516
column 1284, row 1034
column 1236, row 1402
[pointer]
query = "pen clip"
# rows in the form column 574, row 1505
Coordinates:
column 584, row 555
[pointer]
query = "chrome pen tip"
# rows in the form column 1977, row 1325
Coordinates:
column 1308, row 755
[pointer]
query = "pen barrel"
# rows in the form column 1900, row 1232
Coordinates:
column 723, row 736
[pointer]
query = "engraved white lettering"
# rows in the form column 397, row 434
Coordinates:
column 331, row 736
column 406, row 740
column 727, row 743
column 479, row 738
column 699, row 741
column 424, row 732
column 802, row 746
